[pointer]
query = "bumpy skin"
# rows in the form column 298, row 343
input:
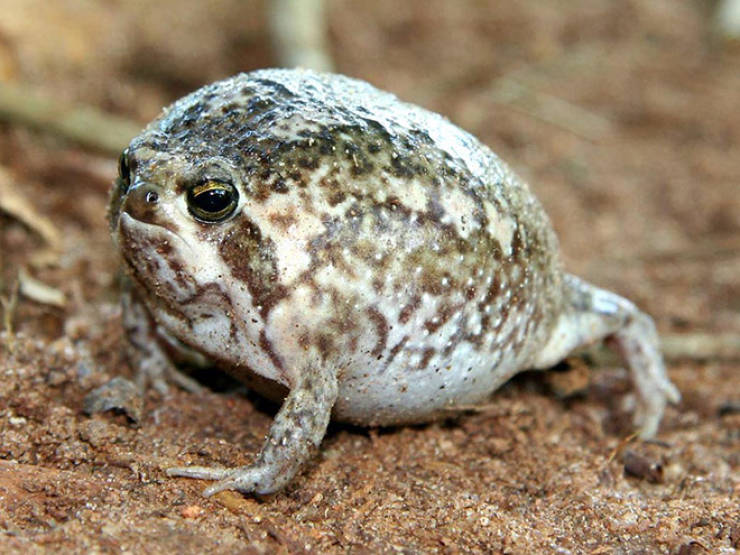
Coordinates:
column 382, row 265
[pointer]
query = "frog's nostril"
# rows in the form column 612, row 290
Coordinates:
column 142, row 202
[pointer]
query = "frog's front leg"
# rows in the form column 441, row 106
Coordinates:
column 592, row 314
column 297, row 431
column 151, row 362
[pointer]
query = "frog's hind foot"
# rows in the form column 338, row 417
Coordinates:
column 637, row 341
column 593, row 314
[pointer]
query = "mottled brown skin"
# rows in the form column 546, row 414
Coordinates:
column 379, row 263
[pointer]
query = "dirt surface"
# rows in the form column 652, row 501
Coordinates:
column 625, row 118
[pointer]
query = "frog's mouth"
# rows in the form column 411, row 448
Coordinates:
column 156, row 257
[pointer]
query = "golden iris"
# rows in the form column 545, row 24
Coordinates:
column 212, row 201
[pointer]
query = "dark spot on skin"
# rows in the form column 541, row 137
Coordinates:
column 402, row 167
column 325, row 345
column 164, row 249
column 393, row 352
column 258, row 105
column 184, row 280
column 267, row 348
column 444, row 313
column 395, row 206
column 376, row 129
column 280, row 186
column 336, row 198
column 252, row 260
column 426, row 356
column 308, row 163
column 232, row 108
column 493, row 290
column 408, row 310
column 344, row 322
column 308, row 384
column 279, row 89
column 283, row 221
column 189, row 116
column 519, row 248
column 381, row 330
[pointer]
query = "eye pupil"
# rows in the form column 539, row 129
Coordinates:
column 212, row 201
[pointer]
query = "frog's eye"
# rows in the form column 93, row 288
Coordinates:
column 212, row 201
column 124, row 170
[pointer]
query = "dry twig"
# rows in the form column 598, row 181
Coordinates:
column 13, row 203
column 698, row 346
column 700, row 250
column 83, row 124
column 727, row 19
column 37, row 291
column 9, row 302
column 299, row 34
column 518, row 89
column 701, row 346
column 550, row 109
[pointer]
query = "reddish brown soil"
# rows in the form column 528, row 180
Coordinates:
column 628, row 130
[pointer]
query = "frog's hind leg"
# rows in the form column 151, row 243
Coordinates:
column 592, row 314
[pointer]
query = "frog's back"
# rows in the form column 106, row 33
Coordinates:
column 403, row 251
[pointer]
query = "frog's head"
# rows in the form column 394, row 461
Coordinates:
column 190, row 247
column 169, row 214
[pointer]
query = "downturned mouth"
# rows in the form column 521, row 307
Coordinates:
column 128, row 225
column 139, row 241
column 155, row 256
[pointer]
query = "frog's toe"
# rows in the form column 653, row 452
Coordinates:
column 654, row 395
column 160, row 373
column 181, row 379
column 199, row 472
column 244, row 483
column 245, row 479
column 648, row 415
column 671, row 392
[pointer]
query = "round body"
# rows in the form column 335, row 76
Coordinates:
column 346, row 230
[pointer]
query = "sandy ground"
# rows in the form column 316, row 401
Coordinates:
column 625, row 118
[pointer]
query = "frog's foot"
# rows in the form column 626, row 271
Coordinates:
column 145, row 350
column 153, row 367
column 638, row 343
column 594, row 314
column 246, row 479
column 297, row 431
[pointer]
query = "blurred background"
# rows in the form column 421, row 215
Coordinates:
column 624, row 116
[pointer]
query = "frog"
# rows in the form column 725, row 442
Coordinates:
column 353, row 256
